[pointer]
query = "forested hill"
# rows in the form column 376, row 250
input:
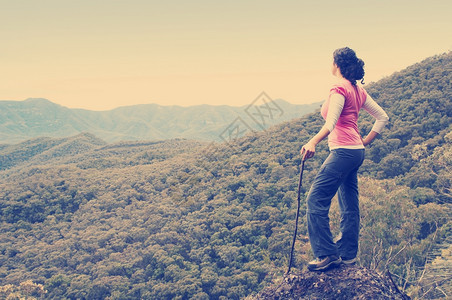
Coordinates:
column 414, row 148
column 88, row 151
column 182, row 219
column 32, row 118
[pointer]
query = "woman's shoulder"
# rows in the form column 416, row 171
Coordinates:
column 341, row 86
column 344, row 83
column 361, row 89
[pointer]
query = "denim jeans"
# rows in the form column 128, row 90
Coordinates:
column 337, row 174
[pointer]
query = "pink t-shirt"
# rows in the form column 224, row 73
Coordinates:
column 346, row 132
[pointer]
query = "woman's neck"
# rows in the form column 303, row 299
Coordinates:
column 339, row 75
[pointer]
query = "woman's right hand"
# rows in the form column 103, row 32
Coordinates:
column 308, row 150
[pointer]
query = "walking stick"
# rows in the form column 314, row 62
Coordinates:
column 296, row 219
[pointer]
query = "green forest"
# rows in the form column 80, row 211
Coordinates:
column 183, row 219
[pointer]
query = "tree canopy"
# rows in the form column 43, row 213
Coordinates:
column 181, row 219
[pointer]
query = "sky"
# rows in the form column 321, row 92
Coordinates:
column 99, row 55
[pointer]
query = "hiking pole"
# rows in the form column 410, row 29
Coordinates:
column 296, row 219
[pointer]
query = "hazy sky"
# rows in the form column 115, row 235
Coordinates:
column 99, row 55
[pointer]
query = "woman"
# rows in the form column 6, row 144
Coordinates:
column 339, row 171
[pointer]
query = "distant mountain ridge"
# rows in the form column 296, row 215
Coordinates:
column 36, row 117
column 89, row 151
column 183, row 219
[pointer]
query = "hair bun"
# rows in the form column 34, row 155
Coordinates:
column 351, row 67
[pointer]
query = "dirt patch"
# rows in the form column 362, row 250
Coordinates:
column 345, row 282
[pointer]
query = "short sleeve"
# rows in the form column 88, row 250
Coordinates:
column 337, row 89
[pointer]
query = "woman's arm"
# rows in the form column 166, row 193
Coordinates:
column 381, row 119
column 370, row 137
column 308, row 150
column 334, row 111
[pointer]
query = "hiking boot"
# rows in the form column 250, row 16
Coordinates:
column 349, row 261
column 324, row 262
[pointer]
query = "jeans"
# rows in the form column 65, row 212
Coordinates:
column 337, row 174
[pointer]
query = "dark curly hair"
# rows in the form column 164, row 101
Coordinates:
column 351, row 67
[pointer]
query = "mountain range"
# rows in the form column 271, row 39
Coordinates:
column 81, row 218
column 22, row 120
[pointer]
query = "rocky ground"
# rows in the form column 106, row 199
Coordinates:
column 345, row 282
